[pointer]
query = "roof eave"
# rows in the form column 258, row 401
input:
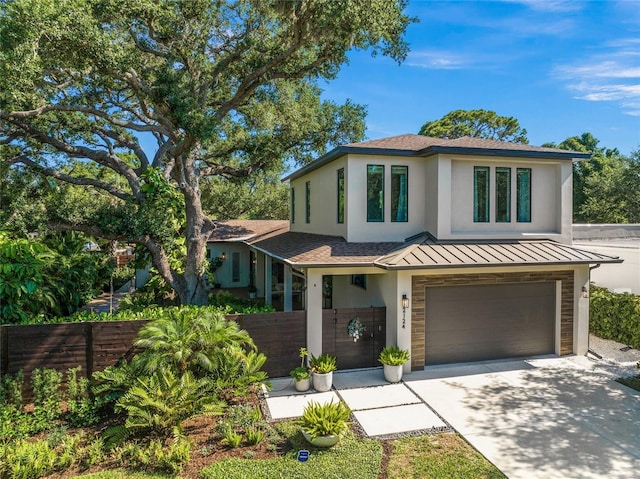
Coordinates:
column 488, row 265
column 555, row 155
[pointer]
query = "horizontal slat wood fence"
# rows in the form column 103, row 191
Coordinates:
column 97, row 345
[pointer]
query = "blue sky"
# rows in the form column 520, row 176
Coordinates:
column 561, row 68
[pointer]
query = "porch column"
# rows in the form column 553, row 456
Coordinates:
column 581, row 279
column 288, row 289
column 403, row 334
column 267, row 279
column 314, row 312
column 261, row 260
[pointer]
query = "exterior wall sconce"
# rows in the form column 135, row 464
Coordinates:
column 254, row 261
column 223, row 256
column 585, row 292
column 405, row 305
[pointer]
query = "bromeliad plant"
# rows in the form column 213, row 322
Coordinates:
column 393, row 356
column 328, row 419
column 322, row 364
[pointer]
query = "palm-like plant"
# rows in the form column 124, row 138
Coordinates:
column 185, row 341
column 160, row 402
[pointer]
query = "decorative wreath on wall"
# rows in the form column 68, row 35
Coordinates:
column 356, row 329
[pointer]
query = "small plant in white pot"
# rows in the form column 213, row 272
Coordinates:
column 323, row 424
column 301, row 374
column 322, row 368
column 392, row 359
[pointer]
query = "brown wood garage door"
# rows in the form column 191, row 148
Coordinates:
column 475, row 323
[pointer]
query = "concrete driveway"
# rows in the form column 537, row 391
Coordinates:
column 539, row 418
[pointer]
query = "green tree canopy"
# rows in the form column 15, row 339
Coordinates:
column 478, row 124
column 162, row 94
column 606, row 188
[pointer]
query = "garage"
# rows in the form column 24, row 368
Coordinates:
column 490, row 321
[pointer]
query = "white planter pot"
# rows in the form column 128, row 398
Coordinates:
column 322, row 382
column 303, row 385
column 252, row 295
column 321, row 441
column 393, row 374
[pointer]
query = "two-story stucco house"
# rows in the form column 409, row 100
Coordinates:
column 464, row 245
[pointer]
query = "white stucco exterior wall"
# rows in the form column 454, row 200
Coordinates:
column 620, row 278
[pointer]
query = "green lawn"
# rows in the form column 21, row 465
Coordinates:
column 433, row 456
column 445, row 456
column 633, row 382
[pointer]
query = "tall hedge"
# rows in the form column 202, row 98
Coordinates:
column 615, row 316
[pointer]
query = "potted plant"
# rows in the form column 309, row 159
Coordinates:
column 301, row 374
column 323, row 424
column 392, row 359
column 322, row 368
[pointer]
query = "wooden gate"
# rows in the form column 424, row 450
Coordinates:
column 337, row 342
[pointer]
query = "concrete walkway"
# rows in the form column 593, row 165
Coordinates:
column 380, row 409
column 545, row 417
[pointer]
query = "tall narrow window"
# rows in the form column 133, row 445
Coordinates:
column 375, row 193
column 293, row 205
column 307, row 202
column 523, row 194
column 341, row 195
column 503, row 195
column 481, row 194
column 399, row 193
column 235, row 267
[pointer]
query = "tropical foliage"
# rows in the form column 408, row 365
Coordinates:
column 157, row 96
column 325, row 419
column 47, row 278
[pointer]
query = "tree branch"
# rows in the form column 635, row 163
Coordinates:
column 108, row 187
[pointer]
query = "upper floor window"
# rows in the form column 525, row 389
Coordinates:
column 503, row 195
column 341, row 195
column 523, row 194
column 293, row 205
column 399, row 194
column 307, row 201
column 375, row 193
column 481, row 194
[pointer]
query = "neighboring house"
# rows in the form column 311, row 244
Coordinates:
column 621, row 240
column 465, row 243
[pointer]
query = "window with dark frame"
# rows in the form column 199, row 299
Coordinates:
column 503, row 195
column 375, row 193
column 293, row 205
column 523, row 194
column 235, row 266
column 341, row 195
column 481, row 194
column 399, row 194
column 307, row 199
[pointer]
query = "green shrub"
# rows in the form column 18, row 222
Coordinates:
column 230, row 437
column 326, row 419
column 11, row 389
column 615, row 316
column 155, row 456
column 254, row 435
column 322, row 364
column 27, row 460
column 82, row 409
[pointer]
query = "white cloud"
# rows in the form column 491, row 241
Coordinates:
column 555, row 6
column 612, row 76
column 436, row 60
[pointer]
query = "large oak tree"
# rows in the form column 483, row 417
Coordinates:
column 157, row 95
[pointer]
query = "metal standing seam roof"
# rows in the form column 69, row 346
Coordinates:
column 433, row 254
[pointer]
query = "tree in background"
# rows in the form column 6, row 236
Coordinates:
column 606, row 188
column 162, row 94
column 477, row 124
